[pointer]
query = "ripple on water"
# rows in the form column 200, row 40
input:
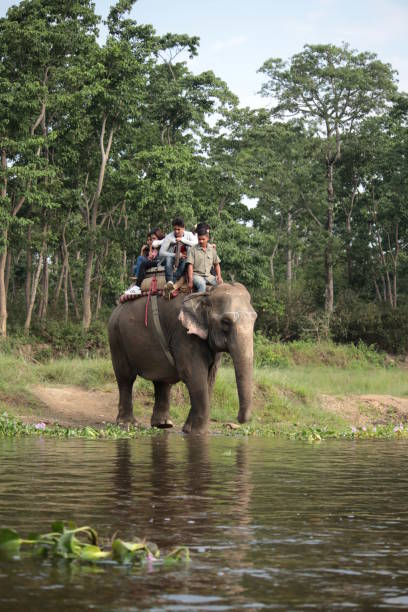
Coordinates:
column 271, row 524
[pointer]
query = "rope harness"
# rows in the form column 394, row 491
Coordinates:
column 159, row 330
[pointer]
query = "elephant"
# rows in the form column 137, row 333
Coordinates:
column 195, row 330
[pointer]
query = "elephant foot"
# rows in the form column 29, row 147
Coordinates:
column 189, row 429
column 243, row 417
column 186, row 428
column 126, row 422
column 162, row 424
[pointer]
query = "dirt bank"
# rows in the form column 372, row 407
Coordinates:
column 75, row 407
column 361, row 410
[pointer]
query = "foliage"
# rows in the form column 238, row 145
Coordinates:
column 275, row 354
column 11, row 427
column 101, row 140
column 80, row 545
column 287, row 396
column 377, row 325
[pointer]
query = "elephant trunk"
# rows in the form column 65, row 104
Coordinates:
column 242, row 353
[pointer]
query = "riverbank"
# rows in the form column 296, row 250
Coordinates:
column 307, row 401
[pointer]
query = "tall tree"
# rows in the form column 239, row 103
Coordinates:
column 334, row 89
column 40, row 41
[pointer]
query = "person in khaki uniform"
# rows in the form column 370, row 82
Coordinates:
column 200, row 259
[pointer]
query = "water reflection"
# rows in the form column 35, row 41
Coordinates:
column 273, row 524
column 122, row 477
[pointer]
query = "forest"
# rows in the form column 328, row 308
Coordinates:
column 102, row 138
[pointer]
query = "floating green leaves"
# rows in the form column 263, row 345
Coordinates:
column 80, row 544
column 11, row 427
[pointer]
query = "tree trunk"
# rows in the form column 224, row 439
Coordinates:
column 66, row 303
column 45, row 288
column 394, row 287
column 28, row 269
column 98, row 305
column 86, row 298
column 328, row 253
column 289, row 254
column 59, row 285
column 72, row 292
column 377, row 291
column 348, row 249
column 395, row 265
column 349, row 212
column 124, row 273
column 3, row 255
column 87, row 313
column 3, row 294
column 8, row 272
column 389, row 289
column 34, row 288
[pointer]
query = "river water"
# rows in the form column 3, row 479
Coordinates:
column 270, row 524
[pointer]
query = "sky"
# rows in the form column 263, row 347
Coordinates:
column 237, row 36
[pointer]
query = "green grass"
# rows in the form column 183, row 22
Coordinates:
column 286, row 398
column 310, row 381
column 308, row 353
column 87, row 373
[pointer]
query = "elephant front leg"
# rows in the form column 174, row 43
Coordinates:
column 212, row 374
column 160, row 417
column 125, row 410
column 199, row 415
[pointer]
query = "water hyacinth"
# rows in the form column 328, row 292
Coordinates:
column 80, row 544
column 12, row 427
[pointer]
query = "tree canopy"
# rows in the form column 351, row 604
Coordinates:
column 101, row 140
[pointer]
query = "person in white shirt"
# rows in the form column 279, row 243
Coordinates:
column 168, row 251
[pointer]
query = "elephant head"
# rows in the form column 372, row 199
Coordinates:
column 225, row 318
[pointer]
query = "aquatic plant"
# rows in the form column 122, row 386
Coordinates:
column 12, row 427
column 80, row 544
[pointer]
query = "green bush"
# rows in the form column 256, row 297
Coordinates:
column 308, row 353
column 267, row 353
column 60, row 339
column 374, row 324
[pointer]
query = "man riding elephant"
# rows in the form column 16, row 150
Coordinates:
column 179, row 237
column 201, row 260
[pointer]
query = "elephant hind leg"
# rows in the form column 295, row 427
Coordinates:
column 125, row 409
column 125, row 377
column 160, row 417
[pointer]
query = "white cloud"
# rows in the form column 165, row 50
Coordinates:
column 234, row 41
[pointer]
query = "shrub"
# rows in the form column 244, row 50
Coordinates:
column 308, row 353
column 374, row 324
column 68, row 339
column 267, row 353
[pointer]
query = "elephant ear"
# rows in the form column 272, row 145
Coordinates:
column 193, row 314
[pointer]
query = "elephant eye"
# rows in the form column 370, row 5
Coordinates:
column 226, row 324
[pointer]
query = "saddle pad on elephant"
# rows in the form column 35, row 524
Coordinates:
column 157, row 273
